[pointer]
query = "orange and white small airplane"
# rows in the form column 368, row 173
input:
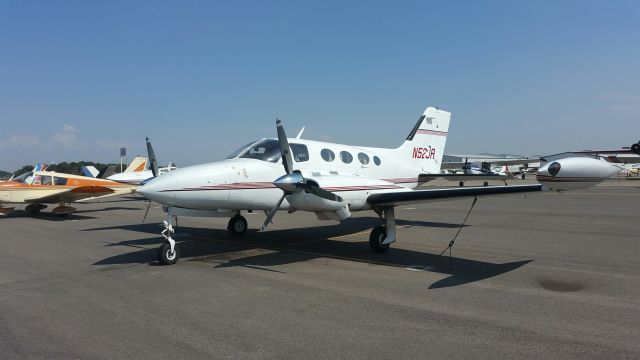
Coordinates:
column 37, row 188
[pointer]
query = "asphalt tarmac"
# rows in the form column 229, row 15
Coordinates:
column 546, row 276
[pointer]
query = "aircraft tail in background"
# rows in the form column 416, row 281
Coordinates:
column 90, row 171
column 138, row 164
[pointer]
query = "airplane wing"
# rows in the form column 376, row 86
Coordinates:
column 493, row 161
column 71, row 195
column 462, row 177
column 421, row 196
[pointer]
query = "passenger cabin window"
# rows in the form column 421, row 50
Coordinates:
column 59, row 181
column 327, row 155
column 265, row 150
column 346, row 157
column 300, row 152
column 376, row 160
column 46, row 180
column 364, row 158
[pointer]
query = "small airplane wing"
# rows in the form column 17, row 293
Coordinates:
column 71, row 195
column 462, row 177
column 420, row 196
column 497, row 161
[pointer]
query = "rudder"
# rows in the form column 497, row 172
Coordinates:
column 426, row 141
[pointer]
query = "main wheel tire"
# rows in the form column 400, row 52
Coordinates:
column 461, row 183
column 378, row 234
column 523, row 176
column 237, row 225
column 486, row 183
column 34, row 209
column 165, row 257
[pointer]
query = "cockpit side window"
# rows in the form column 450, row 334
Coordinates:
column 300, row 152
column 265, row 150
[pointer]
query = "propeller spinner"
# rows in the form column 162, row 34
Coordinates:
column 292, row 182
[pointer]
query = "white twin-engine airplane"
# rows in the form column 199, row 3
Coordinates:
column 331, row 180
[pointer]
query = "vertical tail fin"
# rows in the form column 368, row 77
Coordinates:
column 425, row 144
column 90, row 171
column 138, row 164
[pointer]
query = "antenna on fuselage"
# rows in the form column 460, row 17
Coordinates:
column 299, row 136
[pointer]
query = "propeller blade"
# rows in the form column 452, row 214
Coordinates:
column 273, row 211
column 287, row 161
column 323, row 193
column 152, row 158
column 146, row 212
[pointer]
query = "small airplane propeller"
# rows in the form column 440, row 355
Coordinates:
column 144, row 219
column 152, row 158
column 287, row 161
column 292, row 182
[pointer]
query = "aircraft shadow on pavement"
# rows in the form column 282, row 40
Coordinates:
column 76, row 215
column 297, row 245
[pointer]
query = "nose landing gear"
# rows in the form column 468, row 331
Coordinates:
column 169, row 252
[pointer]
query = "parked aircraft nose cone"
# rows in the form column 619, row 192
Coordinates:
column 158, row 189
column 289, row 182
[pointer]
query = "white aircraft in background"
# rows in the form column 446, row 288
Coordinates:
column 485, row 167
column 140, row 170
column 331, row 180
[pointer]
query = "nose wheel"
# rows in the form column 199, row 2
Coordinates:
column 168, row 256
column 169, row 252
column 237, row 225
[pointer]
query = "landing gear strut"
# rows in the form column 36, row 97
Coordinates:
column 383, row 235
column 169, row 252
column 237, row 225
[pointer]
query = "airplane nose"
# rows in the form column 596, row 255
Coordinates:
column 157, row 189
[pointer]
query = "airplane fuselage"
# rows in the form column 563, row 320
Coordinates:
column 247, row 183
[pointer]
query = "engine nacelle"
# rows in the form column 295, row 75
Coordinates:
column 309, row 202
column 575, row 173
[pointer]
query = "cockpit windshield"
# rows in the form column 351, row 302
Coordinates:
column 240, row 149
column 25, row 178
column 265, row 150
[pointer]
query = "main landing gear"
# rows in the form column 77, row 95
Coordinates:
column 34, row 209
column 237, row 225
column 383, row 235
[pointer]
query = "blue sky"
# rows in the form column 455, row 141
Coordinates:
column 79, row 79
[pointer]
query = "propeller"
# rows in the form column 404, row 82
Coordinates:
column 146, row 212
column 152, row 158
column 293, row 182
